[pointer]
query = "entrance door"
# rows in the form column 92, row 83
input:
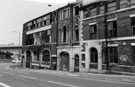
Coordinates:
column 28, row 59
column 64, row 63
column 76, row 64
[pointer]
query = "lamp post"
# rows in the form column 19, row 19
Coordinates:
column 19, row 45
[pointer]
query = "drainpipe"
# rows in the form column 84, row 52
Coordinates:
column 106, row 39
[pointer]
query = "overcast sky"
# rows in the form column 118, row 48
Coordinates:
column 13, row 13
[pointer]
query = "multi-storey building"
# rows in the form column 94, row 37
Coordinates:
column 39, row 41
column 114, row 19
column 68, row 38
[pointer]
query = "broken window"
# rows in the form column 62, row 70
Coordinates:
column 46, row 57
column 124, row 3
column 30, row 39
column 76, row 10
column 113, row 55
column 93, row 11
column 133, row 25
column 132, row 2
column 93, row 31
column 112, row 29
column 64, row 33
column 102, row 9
column 112, row 6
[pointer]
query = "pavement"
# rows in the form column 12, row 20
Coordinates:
column 83, row 75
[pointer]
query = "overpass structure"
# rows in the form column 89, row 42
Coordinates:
column 12, row 49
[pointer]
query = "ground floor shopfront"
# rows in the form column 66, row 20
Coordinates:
column 42, row 56
column 121, row 55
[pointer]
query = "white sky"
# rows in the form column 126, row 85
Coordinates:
column 13, row 13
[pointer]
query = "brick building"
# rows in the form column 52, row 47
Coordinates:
column 68, row 49
column 117, row 19
column 39, row 41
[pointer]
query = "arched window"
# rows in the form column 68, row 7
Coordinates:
column 76, row 33
column 46, row 56
column 93, row 55
column 64, row 34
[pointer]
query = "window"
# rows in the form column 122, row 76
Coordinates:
column 64, row 34
column 29, row 26
column 85, row 14
column 54, row 16
column 93, row 55
column 111, row 6
column 67, row 35
column 46, row 36
column 102, row 9
column 48, row 39
column 124, row 3
column 93, row 11
column 93, row 31
column 48, row 20
column 132, row 2
column 63, row 14
column 83, row 57
column 133, row 25
column 83, row 65
column 37, row 38
column 44, row 20
column 60, row 36
column 76, row 33
column 39, row 22
column 112, row 29
column 46, row 56
column 76, row 10
column 68, row 12
column 30, row 39
column 113, row 55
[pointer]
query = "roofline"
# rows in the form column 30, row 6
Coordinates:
column 92, row 4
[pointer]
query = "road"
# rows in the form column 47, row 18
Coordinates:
column 28, row 78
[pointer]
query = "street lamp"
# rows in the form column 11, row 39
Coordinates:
column 19, row 45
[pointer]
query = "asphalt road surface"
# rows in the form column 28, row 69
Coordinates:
column 28, row 78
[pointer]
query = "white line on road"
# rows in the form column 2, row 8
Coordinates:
column 9, row 73
column 4, row 85
column 28, row 77
column 22, row 72
column 62, row 84
column 72, row 75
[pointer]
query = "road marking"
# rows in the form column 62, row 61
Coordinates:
column 62, row 84
column 4, row 85
column 28, row 77
column 72, row 75
column 23, row 72
column 105, row 80
column 9, row 73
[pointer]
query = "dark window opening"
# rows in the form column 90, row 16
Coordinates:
column 64, row 34
column 93, row 31
column 94, row 55
column 77, row 10
column 113, row 55
column 112, row 29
